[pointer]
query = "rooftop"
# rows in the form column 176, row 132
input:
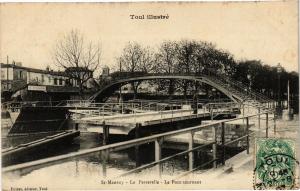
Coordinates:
column 58, row 73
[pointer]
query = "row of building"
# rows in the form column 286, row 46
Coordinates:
column 16, row 78
column 11, row 73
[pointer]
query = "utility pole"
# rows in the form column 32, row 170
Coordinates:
column 279, row 70
column 120, row 99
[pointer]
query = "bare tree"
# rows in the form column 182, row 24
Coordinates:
column 136, row 59
column 186, row 60
column 166, row 62
column 79, row 59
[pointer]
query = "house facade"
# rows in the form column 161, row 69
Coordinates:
column 17, row 79
column 14, row 74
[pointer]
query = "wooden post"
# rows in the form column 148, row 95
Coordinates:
column 223, row 142
column 247, row 131
column 214, row 147
column 105, row 133
column 259, row 117
column 158, row 143
column 191, row 154
column 267, row 125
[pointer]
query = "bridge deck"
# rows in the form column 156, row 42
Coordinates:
column 123, row 123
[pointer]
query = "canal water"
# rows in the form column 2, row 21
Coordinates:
column 87, row 171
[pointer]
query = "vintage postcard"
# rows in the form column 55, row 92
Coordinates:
column 149, row 95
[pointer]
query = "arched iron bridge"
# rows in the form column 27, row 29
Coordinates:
column 234, row 94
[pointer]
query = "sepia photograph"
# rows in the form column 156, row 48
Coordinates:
column 149, row 95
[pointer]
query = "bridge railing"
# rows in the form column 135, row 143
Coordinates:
column 218, row 129
column 133, row 107
column 238, row 85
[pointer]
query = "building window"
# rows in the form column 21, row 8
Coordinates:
column 43, row 78
column 20, row 75
column 60, row 81
column 55, row 81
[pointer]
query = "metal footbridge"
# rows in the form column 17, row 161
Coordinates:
column 235, row 90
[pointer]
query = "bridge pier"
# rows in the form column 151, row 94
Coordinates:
column 105, row 133
column 214, row 146
column 223, row 143
column 76, row 126
column 136, row 148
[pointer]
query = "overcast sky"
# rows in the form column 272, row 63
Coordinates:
column 266, row 31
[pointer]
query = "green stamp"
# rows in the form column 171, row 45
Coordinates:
column 275, row 164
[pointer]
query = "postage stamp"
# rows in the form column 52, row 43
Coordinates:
column 275, row 164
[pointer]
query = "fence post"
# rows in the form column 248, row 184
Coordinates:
column 214, row 146
column 158, row 143
column 274, row 125
column 223, row 143
column 259, row 117
column 247, row 131
column 267, row 125
column 191, row 154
